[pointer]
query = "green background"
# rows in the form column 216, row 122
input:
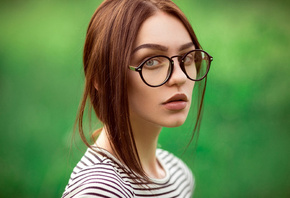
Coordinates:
column 243, row 147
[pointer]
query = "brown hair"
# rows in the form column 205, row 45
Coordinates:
column 109, row 41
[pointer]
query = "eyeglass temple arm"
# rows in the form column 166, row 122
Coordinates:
column 134, row 68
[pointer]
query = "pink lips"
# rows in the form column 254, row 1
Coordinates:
column 176, row 102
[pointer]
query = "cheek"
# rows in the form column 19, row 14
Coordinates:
column 190, row 88
column 135, row 90
column 141, row 97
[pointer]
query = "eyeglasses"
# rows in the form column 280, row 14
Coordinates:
column 157, row 70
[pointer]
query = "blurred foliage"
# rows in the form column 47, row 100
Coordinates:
column 243, row 146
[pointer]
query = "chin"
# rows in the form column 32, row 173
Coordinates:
column 175, row 120
column 175, row 123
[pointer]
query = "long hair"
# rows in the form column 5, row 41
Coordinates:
column 111, row 34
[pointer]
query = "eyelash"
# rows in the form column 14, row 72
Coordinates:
column 144, row 57
column 148, row 55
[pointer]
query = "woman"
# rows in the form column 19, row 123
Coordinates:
column 141, row 62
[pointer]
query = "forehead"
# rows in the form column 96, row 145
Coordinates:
column 163, row 29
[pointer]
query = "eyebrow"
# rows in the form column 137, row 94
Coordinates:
column 151, row 46
column 161, row 47
column 186, row 46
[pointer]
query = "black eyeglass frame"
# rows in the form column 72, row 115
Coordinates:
column 181, row 63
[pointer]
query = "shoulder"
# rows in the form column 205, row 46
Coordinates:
column 98, row 176
column 170, row 160
column 177, row 170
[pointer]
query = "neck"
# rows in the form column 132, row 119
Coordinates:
column 146, row 138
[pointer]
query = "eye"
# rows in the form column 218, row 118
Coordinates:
column 156, row 62
column 151, row 62
column 188, row 59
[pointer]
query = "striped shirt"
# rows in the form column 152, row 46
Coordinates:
column 97, row 175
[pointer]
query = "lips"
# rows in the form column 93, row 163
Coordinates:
column 176, row 102
column 177, row 97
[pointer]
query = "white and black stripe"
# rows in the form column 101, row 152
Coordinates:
column 97, row 175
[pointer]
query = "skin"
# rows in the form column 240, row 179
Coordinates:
column 148, row 114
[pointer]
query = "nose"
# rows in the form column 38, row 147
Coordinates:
column 178, row 77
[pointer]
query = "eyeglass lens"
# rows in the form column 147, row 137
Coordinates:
column 156, row 70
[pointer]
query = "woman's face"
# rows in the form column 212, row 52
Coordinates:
column 167, row 105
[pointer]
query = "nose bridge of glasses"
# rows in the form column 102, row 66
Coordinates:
column 179, row 60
